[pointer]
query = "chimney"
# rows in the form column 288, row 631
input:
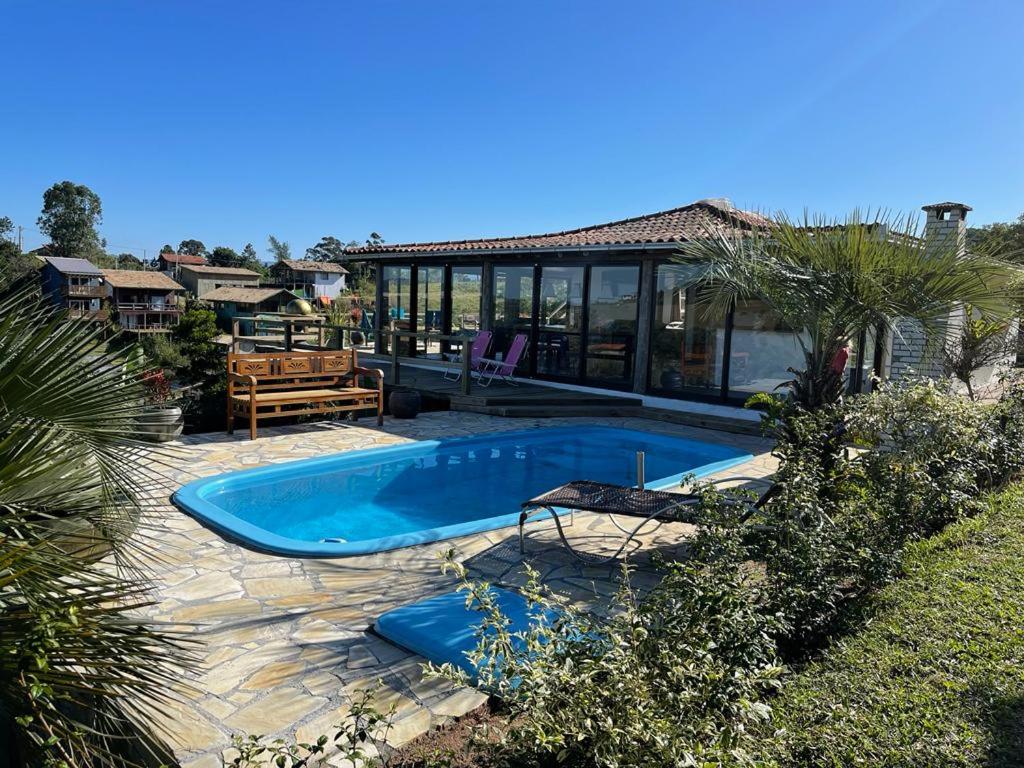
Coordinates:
column 946, row 225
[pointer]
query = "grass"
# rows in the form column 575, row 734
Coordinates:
column 936, row 676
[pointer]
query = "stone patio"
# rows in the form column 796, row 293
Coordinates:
column 286, row 641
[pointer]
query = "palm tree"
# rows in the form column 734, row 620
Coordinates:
column 81, row 673
column 837, row 279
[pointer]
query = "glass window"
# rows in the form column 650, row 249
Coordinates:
column 513, row 308
column 397, row 308
column 763, row 349
column 560, row 331
column 429, row 302
column 686, row 345
column 466, row 296
column 611, row 340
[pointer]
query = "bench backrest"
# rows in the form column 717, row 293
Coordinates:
column 295, row 370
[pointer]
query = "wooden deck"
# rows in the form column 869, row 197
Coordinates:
column 524, row 398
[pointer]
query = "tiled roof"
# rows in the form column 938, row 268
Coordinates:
column 68, row 266
column 244, row 295
column 182, row 258
column 666, row 227
column 200, row 269
column 138, row 278
column 313, row 266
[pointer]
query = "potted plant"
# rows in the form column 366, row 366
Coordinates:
column 159, row 421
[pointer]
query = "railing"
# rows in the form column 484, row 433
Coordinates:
column 395, row 378
column 91, row 291
column 142, row 306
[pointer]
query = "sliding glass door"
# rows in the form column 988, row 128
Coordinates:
column 396, row 309
column 612, row 304
column 560, row 322
column 513, row 309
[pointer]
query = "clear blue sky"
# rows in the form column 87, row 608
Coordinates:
column 433, row 120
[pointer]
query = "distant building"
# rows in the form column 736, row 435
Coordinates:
column 75, row 285
column 310, row 279
column 231, row 301
column 146, row 302
column 200, row 279
column 171, row 263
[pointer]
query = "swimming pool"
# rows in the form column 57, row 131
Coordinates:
column 385, row 498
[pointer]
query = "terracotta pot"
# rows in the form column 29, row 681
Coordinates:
column 404, row 404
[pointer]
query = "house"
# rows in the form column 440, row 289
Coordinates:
column 144, row 301
column 75, row 285
column 310, row 279
column 231, row 301
column 171, row 263
column 200, row 279
column 608, row 307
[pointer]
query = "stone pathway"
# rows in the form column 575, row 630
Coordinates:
column 285, row 642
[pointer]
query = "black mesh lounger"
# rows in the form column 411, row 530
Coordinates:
column 609, row 499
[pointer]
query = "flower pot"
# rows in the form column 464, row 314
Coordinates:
column 671, row 379
column 356, row 338
column 404, row 404
column 159, row 424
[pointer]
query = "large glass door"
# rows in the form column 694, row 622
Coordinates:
column 397, row 303
column 687, row 346
column 612, row 306
column 513, row 310
column 430, row 300
column 559, row 341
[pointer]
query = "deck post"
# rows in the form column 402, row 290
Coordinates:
column 641, row 360
column 466, row 382
column 394, row 358
column 287, row 335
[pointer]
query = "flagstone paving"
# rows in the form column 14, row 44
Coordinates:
column 286, row 642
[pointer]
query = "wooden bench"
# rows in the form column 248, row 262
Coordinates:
column 273, row 385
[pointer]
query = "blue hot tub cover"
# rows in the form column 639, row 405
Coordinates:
column 442, row 629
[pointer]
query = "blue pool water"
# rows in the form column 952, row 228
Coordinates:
column 384, row 498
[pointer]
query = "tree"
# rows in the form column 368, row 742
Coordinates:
column 279, row 249
column 76, row 655
column 250, row 260
column 328, row 249
column 168, row 248
column 980, row 343
column 192, row 248
column 69, row 217
column 222, row 256
column 14, row 265
column 1007, row 237
column 127, row 261
column 837, row 279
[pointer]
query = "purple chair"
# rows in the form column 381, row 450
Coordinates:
column 477, row 350
column 503, row 369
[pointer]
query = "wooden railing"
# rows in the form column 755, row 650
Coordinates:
column 143, row 306
column 90, row 291
column 395, row 376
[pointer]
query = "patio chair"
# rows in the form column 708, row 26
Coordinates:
column 503, row 369
column 646, row 505
column 477, row 350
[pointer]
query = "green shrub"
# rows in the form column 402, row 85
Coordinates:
column 673, row 679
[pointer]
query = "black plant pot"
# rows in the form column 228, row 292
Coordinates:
column 671, row 379
column 404, row 404
column 356, row 338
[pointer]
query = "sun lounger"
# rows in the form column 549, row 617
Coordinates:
column 607, row 499
column 477, row 350
column 505, row 368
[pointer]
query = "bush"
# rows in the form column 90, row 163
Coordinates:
column 673, row 679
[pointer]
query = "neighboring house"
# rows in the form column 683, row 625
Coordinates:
column 200, row 279
column 145, row 302
column 75, row 285
column 230, row 301
column 608, row 306
column 171, row 263
column 311, row 279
